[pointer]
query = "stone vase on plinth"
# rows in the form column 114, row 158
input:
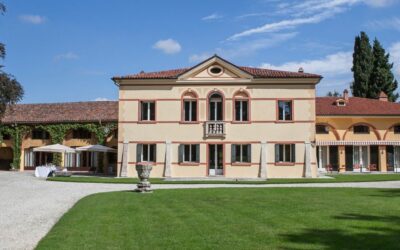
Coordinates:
column 143, row 171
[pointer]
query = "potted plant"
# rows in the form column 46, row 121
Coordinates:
column 357, row 168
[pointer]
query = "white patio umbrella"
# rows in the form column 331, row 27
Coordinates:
column 96, row 148
column 55, row 148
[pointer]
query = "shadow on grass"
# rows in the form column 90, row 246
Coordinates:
column 388, row 193
column 357, row 232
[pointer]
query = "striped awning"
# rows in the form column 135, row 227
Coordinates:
column 357, row 143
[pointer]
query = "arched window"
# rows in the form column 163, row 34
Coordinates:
column 241, row 106
column 215, row 107
column 189, row 107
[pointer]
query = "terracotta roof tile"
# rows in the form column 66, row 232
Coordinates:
column 256, row 72
column 62, row 112
column 356, row 106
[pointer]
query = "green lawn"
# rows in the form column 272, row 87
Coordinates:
column 248, row 218
column 336, row 178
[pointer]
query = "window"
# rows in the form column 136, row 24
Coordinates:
column 215, row 70
column 81, row 134
column 361, row 129
column 189, row 153
column 321, row 129
column 241, row 153
column 39, row 134
column 285, row 153
column 6, row 137
column 146, row 153
column 396, row 129
column 190, row 110
column 285, row 110
column 148, row 111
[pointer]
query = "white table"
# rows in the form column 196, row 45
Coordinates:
column 44, row 171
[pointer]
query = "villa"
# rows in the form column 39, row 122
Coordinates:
column 217, row 119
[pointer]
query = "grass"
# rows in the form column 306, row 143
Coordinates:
column 248, row 218
column 336, row 178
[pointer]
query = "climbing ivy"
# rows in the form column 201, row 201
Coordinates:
column 57, row 134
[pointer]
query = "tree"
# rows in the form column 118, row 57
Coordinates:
column 362, row 66
column 381, row 78
column 333, row 94
column 11, row 90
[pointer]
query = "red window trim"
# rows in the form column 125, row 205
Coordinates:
column 140, row 111
column 277, row 111
column 248, row 99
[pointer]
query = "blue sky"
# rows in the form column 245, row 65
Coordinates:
column 68, row 50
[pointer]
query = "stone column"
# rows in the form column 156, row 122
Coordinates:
column 124, row 166
column 263, row 162
column 307, row 160
column 382, row 159
column 168, row 156
column 342, row 159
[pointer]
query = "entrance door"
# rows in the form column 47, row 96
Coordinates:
column 215, row 159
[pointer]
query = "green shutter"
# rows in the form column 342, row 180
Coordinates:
column 139, row 148
column 248, row 152
column 155, row 152
column 293, row 152
column 180, row 153
column 233, row 153
column 276, row 152
column 197, row 152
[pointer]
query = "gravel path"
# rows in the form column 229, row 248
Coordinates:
column 31, row 206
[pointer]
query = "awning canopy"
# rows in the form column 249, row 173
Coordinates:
column 55, row 148
column 357, row 143
column 96, row 148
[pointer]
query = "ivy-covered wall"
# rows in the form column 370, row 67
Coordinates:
column 57, row 134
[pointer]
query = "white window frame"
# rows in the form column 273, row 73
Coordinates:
column 284, row 110
column 284, row 160
column 149, row 153
column 191, row 148
column 148, row 110
column 190, row 101
column 241, row 109
column 240, row 147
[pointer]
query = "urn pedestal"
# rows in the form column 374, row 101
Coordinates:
column 143, row 171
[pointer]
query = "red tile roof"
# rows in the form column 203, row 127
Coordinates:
column 356, row 106
column 255, row 72
column 106, row 111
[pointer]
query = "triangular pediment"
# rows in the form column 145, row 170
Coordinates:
column 215, row 69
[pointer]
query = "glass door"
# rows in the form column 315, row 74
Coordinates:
column 361, row 159
column 215, row 159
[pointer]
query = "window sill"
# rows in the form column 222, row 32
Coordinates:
column 147, row 122
column 284, row 163
column 187, row 122
column 146, row 163
column 241, row 164
column 241, row 122
column 279, row 121
column 189, row 164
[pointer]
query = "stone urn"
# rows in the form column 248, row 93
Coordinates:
column 143, row 171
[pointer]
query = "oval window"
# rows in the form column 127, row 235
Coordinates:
column 215, row 70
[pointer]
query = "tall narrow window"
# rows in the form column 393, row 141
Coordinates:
column 148, row 111
column 285, row 153
column 285, row 110
column 241, row 153
column 146, row 152
column 189, row 153
column 189, row 112
column 215, row 107
column 241, row 107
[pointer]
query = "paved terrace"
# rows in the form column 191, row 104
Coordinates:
column 31, row 206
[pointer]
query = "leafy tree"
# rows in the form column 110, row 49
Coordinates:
column 334, row 93
column 11, row 90
column 362, row 66
column 381, row 78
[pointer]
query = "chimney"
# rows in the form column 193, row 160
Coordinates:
column 301, row 70
column 383, row 97
column 346, row 95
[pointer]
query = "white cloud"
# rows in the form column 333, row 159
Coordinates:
column 213, row 16
column 248, row 48
column 101, row 99
column 334, row 64
column 379, row 3
column 66, row 56
column 33, row 19
column 394, row 51
column 392, row 23
column 195, row 58
column 168, row 46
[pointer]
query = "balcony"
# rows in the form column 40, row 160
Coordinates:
column 214, row 129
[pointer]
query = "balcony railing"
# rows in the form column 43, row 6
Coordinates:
column 214, row 129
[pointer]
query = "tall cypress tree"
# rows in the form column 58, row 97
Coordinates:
column 381, row 78
column 362, row 66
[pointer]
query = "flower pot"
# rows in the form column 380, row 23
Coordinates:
column 143, row 171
